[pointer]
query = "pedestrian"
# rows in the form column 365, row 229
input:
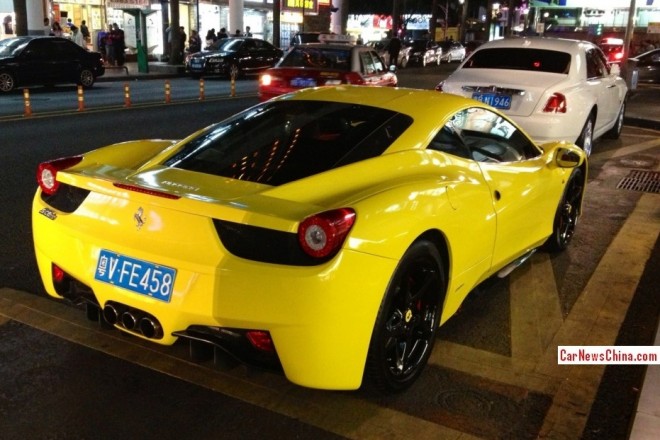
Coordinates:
column 210, row 39
column 118, row 43
column 223, row 34
column 194, row 42
column 84, row 30
column 238, row 33
column 76, row 36
column 247, row 31
column 108, row 43
column 56, row 31
column 182, row 39
column 393, row 50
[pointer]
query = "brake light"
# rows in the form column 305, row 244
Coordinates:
column 618, row 55
column 47, row 172
column 353, row 78
column 147, row 191
column 266, row 79
column 322, row 235
column 556, row 104
column 261, row 340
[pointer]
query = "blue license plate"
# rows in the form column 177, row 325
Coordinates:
column 197, row 64
column 138, row 276
column 494, row 100
column 303, row 82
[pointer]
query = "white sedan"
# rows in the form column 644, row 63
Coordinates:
column 554, row 88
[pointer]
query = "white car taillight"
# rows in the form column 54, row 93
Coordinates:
column 323, row 234
column 556, row 104
column 47, row 172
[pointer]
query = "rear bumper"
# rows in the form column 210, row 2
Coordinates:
column 318, row 316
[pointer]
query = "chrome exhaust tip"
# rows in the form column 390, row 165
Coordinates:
column 150, row 328
column 129, row 320
column 111, row 314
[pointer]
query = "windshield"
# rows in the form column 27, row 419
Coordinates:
column 318, row 57
column 279, row 142
column 229, row 44
column 11, row 46
column 538, row 60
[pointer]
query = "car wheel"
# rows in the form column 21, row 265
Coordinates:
column 408, row 319
column 615, row 131
column 586, row 139
column 7, row 82
column 86, row 78
column 234, row 71
column 567, row 213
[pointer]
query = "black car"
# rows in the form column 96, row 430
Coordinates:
column 424, row 52
column 234, row 57
column 648, row 66
column 41, row 60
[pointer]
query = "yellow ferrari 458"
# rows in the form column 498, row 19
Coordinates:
column 328, row 232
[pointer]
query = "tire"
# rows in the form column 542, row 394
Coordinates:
column 567, row 213
column 615, row 131
column 86, row 78
column 586, row 139
column 7, row 82
column 407, row 322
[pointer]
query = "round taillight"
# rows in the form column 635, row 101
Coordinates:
column 266, row 79
column 47, row 172
column 321, row 235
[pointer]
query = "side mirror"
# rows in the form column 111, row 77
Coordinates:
column 567, row 157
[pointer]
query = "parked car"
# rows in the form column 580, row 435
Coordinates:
column 41, row 60
column 327, row 233
column 452, row 51
column 648, row 66
column 613, row 49
column 320, row 64
column 233, row 57
column 554, row 88
column 382, row 47
column 424, row 51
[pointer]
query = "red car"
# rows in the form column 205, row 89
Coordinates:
column 324, row 64
column 613, row 49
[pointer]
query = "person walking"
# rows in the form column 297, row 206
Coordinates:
column 76, row 36
column 84, row 30
column 393, row 49
column 118, row 44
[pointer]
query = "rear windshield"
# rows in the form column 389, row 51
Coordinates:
column 318, row 57
column 539, row 60
column 279, row 142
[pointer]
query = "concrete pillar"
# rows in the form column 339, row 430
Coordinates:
column 337, row 22
column 35, row 18
column 235, row 17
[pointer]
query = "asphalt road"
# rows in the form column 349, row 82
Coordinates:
column 493, row 373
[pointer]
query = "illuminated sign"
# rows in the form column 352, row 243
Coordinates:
column 128, row 4
column 300, row 6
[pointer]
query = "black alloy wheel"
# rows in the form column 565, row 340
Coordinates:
column 567, row 213
column 86, row 78
column 408, row 319
column 7, row 82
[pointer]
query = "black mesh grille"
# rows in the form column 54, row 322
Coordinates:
column 67, row 199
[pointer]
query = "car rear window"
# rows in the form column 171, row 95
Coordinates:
column 280, row 142
column 538, row 60
column 318, row 57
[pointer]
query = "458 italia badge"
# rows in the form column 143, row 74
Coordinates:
column 139, row 218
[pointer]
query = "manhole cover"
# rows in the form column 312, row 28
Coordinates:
column 641, row 180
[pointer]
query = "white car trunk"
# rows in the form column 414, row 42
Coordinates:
column 529, row 91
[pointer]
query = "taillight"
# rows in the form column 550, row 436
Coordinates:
column 265, row 79
column 147, row 191
column 618, row 56
column 261, row 340
column 47, row 172
column 353, row 78
column 323, row 234
column 556, row 104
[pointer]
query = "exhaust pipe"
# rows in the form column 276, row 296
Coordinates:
column 150, row 328
column 129, row 320
column 111, row 314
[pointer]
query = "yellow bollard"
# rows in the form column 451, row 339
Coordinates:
column 168, row 97
column 26, row 101
column 201, row 89
column 127, row 95
column 233, row 86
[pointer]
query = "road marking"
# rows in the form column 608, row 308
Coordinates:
column 340, row 413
